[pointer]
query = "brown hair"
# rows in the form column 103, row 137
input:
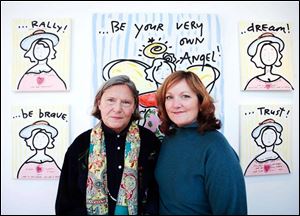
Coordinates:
column 118, row 80
column 206, row 114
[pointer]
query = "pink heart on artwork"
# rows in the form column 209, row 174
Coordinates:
column 40, row 80
column 268, row 86
column 39, row 168
column 267, row 167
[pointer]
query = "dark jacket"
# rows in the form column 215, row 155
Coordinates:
column 71, row 195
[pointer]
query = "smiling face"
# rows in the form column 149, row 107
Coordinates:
column 182, row 104
column 117, row 106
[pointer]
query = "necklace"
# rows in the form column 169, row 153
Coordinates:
column 114, row 199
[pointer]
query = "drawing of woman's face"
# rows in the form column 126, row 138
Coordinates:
column 40, row 140
column 268, row 54
column 269, row 137
column 160, row 70
column 41, row 51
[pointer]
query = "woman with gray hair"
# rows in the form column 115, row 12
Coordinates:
column 109, row 169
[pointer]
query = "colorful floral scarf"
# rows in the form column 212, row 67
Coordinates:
column 97, row 190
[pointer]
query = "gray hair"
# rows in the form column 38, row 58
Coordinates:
column 118, row 80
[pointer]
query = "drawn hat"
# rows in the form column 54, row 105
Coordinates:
column 27, row 131
column 265, row 123
column 267, row 37
column 38, row 34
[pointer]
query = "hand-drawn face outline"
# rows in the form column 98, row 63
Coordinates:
column 267, row 133
column 263, row 48
column 162, row 68
column 269, row 54
column 32, row 44
column 39, row 135
column 41, row 50
column 268, row 136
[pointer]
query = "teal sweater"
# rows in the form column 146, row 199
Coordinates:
column 199, row 175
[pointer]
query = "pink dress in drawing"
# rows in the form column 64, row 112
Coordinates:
column 268, row 167
column 43, row 81
column 279, row 84
column 46, row 170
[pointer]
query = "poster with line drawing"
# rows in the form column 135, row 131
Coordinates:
column 40, row 136
column 149, row 46
column 41, row 53
column 266, row 56
column 265, row 139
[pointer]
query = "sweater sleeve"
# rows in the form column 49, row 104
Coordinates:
column 225, row 185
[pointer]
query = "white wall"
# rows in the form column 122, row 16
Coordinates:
column 266, row 194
